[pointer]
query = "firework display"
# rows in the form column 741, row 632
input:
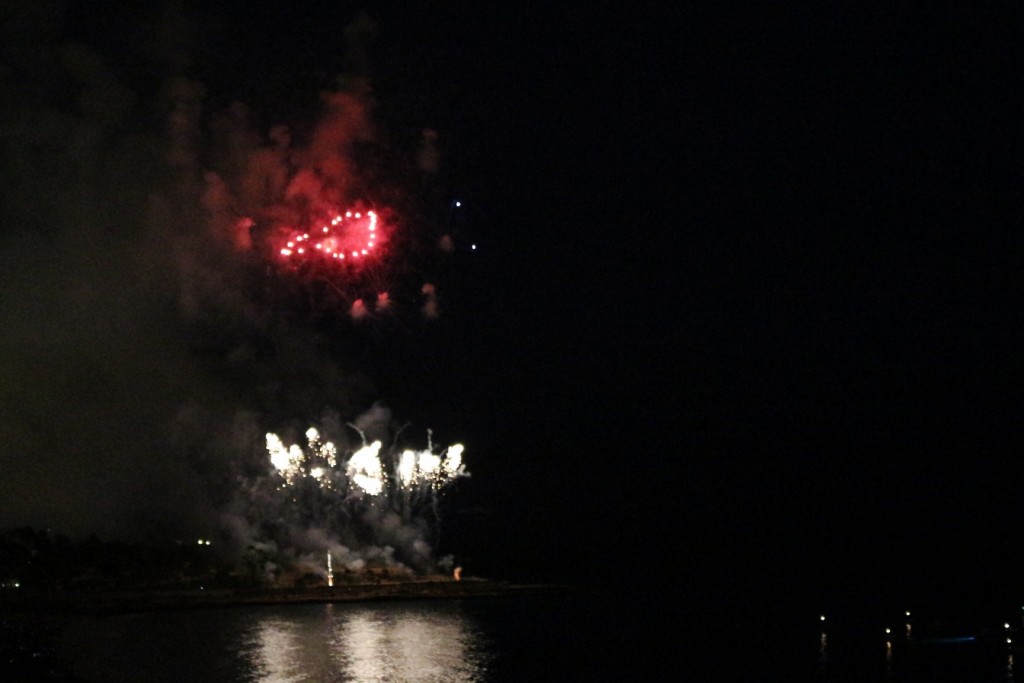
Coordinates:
column 350, row 236
column 203, row 261
column 317, row 255
column 363, row 505
column 414, row 476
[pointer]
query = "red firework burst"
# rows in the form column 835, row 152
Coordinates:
column 348, row 237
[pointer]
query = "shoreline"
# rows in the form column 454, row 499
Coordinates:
column 125, row 602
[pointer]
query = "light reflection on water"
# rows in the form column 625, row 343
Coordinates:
column 375, row 645
column 284, row 644
column 947, row 651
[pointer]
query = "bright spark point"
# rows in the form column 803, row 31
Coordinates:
column 406, row 467
column 365, row 470
column 453, row 461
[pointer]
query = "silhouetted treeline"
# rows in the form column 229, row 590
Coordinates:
column 38, row 559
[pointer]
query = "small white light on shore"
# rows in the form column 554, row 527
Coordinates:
column 1006, row 625
column 907, row 613
column 888, row 631
column 823, row 617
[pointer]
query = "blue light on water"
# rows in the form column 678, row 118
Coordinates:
column 955, row 639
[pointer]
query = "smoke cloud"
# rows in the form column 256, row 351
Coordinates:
column 148, row 342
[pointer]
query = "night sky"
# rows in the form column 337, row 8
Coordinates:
column 746, row 302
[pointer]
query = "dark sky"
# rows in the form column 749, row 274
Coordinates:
column 748, row 286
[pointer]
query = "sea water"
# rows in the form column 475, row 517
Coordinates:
column 589, row 636
column 580, row 636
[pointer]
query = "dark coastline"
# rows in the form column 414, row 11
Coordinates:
column 124, row 602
